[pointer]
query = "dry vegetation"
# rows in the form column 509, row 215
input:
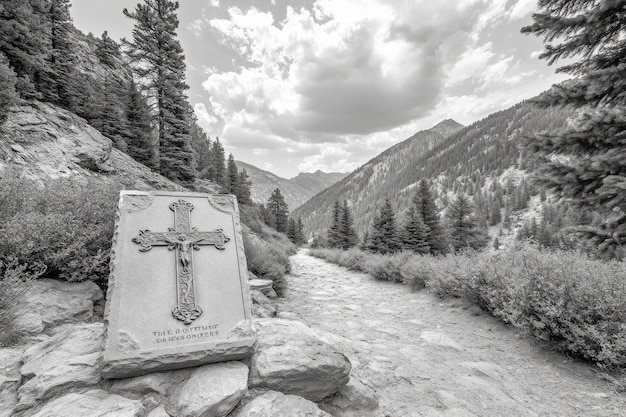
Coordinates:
column 575, row 303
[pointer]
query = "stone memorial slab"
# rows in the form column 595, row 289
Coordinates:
column 178, row 291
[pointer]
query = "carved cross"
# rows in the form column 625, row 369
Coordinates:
column 183, row 238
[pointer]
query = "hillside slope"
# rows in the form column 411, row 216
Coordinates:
column 41, row 140
column 296, row 190
column 461, row 161
column 362, row 187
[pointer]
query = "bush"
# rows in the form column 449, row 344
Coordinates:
column 575, row 303
column 269, row 260
column 15, row 278
column 65, row 225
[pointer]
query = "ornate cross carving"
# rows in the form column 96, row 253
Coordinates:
column 183, row 238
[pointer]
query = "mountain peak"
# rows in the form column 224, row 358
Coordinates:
column 447, row 126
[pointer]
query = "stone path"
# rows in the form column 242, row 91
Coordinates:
column 428, row 357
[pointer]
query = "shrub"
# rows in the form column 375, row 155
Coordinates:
column 269, row 260
column 575, row 303
column 15, row 278
column 65, row 225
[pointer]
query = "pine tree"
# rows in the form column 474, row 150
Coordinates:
column 24, row 41
column 383, row 237
column 300, row 239
column 584, row 162
column 426, row 207
column 464, row 230
column 232, row 175
column 334, row 231
column 217, row 168
column 243, row 190
column 291, row 230
column 415, row 233
column 59, row 81
column 278, row 211
column 8, row 81
column 159, row 61
column 348, row 234
column 139, row 140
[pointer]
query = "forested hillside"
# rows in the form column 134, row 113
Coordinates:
column 460, row 160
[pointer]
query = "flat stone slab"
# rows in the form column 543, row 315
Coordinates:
column 178, row 290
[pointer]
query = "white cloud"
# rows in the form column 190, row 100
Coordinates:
column 346, row 79
column 205, row 119
column 522, row 9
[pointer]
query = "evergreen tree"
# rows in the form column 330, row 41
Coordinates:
column 426, row 207
column 24, row 41
column 139, row 140
column 159, row 62
column 8, row 81
column 464, row 230
column 349, row 237
column 278, row 211
column 108, row 51
column 291, row 230
column 415, row 233
column 59, row 82
column 300, row 239
column 584, row 162
column 243, row 190
column 334, row 231
column 383, row 237
column 217, row 169
column 232, row 176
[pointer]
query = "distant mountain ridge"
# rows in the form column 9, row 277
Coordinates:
column 455, row 158
column 362, row 187
column 296, row 190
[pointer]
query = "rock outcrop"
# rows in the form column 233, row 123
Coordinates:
column 68, row 359
column 41, row 140
column 51, row 302
column 62, row 375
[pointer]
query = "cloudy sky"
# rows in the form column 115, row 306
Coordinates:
column 300, row 85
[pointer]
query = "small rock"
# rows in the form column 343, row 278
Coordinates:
column 10, row 379
column 262, row 285
column 158, row 412
column 352, row 400
column 48, row 303
column 290, row 358
column 95, row 403
column 68, row 359
column 276, row 404
column 287, row 315
column 262, row 307
column 212, row 390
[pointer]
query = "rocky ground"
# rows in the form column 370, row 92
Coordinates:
column 429, row 357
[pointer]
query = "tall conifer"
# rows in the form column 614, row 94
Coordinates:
column 426, row 207
column 159, row 61
column 585, row 162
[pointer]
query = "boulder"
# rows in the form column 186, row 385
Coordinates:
column 352, row 400
column 160, row 383
column 212, row 390
column 290, row 358
column 48, row 303
column 70, row 359
column 266, row 286
column 10, row 379
column 276, row 404
column 95, row 403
